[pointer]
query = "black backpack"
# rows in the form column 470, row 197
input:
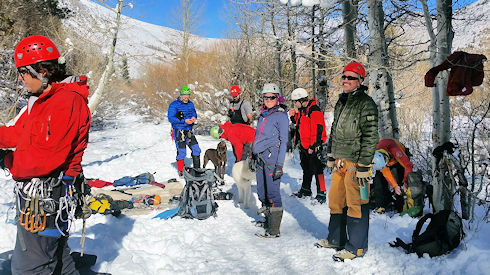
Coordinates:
column 442, row 235
column 197, row 198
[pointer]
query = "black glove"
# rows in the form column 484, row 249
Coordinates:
column 179, row 115
column 252, row 164
column 3, row 153
column 230, row 113
column 277, row 172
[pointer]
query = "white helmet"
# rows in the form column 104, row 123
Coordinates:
column 299, row 93
column 271, row 88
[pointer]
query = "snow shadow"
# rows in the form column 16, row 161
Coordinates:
column 304, row 216
column 99, row 162
column 5, row 261
column 110, row 231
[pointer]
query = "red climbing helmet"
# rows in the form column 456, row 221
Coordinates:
column 357, row 68
column 34, row 49
column 235, row 90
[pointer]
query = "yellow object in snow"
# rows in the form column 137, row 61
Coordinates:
column 99, row 206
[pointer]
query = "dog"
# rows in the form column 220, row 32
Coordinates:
column 218, row 158
column 243, row 177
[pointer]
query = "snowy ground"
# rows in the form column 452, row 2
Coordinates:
column 227, row 244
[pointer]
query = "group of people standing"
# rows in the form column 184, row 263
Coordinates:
column 351, row 148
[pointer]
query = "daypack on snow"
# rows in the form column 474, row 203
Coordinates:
column 144, row 178
column 442, row 235
column 197, row 199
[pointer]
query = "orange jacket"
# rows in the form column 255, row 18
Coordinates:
column 397, row 154
column 51, row 135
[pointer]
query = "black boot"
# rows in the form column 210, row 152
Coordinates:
column 196, row 160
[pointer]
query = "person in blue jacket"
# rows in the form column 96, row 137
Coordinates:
column 182, row 114
column 269, row 149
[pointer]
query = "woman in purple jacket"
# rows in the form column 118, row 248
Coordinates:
column 269, row 148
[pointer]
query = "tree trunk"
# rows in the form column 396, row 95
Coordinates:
column 292, row 48
column 349, row 15
column 383, row 92
column 321, row 78
column 313, row 55
column 440, row 48
column 99, row 91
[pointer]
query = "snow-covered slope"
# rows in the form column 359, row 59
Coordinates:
column 226, row 244
column 140, row 41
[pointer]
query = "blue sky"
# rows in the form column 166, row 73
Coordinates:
column 159, row 12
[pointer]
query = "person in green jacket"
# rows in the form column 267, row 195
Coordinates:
column 351, row 146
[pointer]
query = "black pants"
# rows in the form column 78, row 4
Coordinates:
column 35, row 254
column 311, row 166
column 382, row 195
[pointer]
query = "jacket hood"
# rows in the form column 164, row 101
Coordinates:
column 77, row 84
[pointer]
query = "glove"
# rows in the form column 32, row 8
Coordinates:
column 330, row 162
column 3, row 153
column 230, row 112
column 252, row 164
column 363, row 174
column 179, row 115
column 277, row 172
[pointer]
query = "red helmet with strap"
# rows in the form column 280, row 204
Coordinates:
column 355, row 67
column 235, row 90
column 34, row 49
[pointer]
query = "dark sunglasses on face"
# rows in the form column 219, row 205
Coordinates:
column 272, row 97
column 349, row 77
column 23, row 71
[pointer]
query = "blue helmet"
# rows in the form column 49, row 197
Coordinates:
column 379, row 161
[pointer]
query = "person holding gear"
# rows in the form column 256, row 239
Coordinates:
column 241, row 137
column 240, row 110
column 310, row 134
column 269, row 149
column 182, row 115
column 393, row 163
column 49, row 137
column 351, row 146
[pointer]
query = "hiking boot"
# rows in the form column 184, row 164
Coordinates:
column 345, row 254
column 323, row 243
column 302, row 193
column 267, row 235
column 181, row 174
column 379, row 210
column 321, row 197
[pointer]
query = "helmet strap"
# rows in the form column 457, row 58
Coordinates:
column 43, row 80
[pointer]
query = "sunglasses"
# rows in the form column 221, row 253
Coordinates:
column 272, row 97
column 23, row 71
column 349, row 77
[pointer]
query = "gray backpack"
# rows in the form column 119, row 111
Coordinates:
column 197, row 199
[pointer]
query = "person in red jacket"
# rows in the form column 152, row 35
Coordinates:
column 49, row 138
column 309, row 134
column 241, row 137
column 394, row 167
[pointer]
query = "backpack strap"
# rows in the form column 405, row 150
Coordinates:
column 421, row 223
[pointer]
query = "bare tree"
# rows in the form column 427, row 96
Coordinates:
column 96, row 97
column 440, row 48
column 380, row 76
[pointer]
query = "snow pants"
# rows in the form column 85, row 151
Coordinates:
column 311, row 165
column 185, row 138
column 383, row 197
column 35, row 254
column 268, row 189
column 348, row 213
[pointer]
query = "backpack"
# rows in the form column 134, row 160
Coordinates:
column 442, row 235
column 197, row 198
column 145, row 178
